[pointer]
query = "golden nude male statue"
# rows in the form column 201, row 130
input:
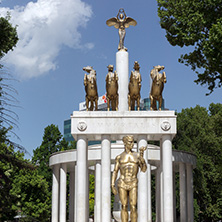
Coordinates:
column 128, row 163
column 121, row 21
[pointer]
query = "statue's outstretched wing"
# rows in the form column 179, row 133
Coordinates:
column 129, row 21
column 113, row 22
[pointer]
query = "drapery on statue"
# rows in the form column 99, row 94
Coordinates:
column 157, row 87
column 112, row 89
column 128, row 163
column 90, row 88
column 134, row 87
column 121, row 21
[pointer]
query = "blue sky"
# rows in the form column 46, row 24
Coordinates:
column 59, row 37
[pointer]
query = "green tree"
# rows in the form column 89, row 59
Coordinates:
column 8, row 36
column 91, row 195
column 11, row 162
column 33, row 199
column 200, row 132
column 8, row 118
column 196, row 23
column 52, row 142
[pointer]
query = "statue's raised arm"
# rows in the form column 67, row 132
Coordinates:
column 121, row 21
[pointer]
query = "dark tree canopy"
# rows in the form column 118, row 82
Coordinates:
column 52, row 142
column 196, row 23
column 200, row 132
column 8, row 36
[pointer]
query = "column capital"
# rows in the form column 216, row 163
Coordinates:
column 81, row 136
column 166, row 137
column 105, row 136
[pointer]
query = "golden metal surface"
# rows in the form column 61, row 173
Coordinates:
column 90, row 88
column 134, row 87
column 121, row 21
column 112, row 89
column 157, row 87
column 128, row 163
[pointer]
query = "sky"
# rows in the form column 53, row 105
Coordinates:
column 60, row 37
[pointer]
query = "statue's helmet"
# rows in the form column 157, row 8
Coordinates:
column 136, row 65
column 110, row 67
column 88, row 69
column 159, row 68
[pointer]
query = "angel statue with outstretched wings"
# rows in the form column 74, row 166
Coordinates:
column 121, row 21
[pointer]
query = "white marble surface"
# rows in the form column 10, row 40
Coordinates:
column 94, row 154
column 122, row 68
column 154, row 124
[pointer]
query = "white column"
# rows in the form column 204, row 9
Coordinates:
column 190, row 210
column 167, row 179
column 71, row 195
column 157, row 194
column 142, row 185
column 76, row 180
column 183, row 192
column 174, row 196
column 82, row 150
column 62, row 200
column 87, row 185
column 106, row 180
column 98, row 179
column 161, row 181
column 55, row 194
column 149, row 201
column 122, row 68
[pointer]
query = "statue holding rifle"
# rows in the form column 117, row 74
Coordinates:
column 128, row 163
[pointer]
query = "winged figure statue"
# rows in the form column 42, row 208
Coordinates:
column 121, row 22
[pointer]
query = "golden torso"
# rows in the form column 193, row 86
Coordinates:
column 129, row 166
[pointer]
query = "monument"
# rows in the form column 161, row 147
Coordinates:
column 137, row 128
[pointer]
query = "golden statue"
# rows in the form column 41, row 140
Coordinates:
column 90, row 88
column 134, row 87
column 128, row 163
column 157, row 87
column 121, row 22
column 112, row 89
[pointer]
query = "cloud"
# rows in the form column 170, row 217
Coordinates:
column 44, row 27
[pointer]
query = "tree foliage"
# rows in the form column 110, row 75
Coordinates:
column 52, row 142
column 196, row 23
column 32, row 196
column 8, row 36
column 200, row 132
column 11, row 162
column 8, row 40
column 91, row 195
